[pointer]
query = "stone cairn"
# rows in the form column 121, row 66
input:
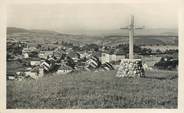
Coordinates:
column 130, row 68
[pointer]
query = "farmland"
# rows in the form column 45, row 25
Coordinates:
column 95, row 90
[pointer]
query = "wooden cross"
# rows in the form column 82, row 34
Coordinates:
column 131, row 29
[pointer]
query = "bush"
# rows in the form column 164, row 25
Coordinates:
column 167, row 63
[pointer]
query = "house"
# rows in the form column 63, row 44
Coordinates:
column 46, row 66
column 109, row 57
column 11, row 77
column 119, row 57
column 25, row 55
column 74, row 55
column 44, row 54
column 17, row 57
column 84, row 54
column 113, row 57
column 35, row 61
column 25, row 50
column 29, row 52
column 35, row 73
column 64, row 69
column 58, row 52
column 119, row 54
column 29, row 49
column 105, row 57
column 162, row 48
column 11, row 40
column 92, row 63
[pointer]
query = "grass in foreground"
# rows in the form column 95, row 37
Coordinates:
column 95, row 90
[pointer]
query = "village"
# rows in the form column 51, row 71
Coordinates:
column 32, row 62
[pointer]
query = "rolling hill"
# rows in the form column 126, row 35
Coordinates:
column 113, row 37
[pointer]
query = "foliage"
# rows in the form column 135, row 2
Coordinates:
column 88, row 47
column 167, row 62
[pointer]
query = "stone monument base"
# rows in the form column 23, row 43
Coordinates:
column 130, row 68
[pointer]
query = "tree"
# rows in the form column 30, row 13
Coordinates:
column 33, row 54
column 158, row 51
column 39, row 46
column 88, row 47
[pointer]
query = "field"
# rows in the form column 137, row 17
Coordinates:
column 95, row 90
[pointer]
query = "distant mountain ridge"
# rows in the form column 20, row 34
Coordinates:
column 15, row 30
column 153, row 31
column 147, row 36
column 23, row 30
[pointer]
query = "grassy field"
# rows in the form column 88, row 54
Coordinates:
column 95, row 90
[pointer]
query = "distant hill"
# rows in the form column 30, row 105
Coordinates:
column 11, row 30
column 146, row 31
column 113, row 37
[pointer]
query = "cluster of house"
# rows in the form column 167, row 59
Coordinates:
column 42, row 61
column 103, row 56
column 161, row 48
column 109, row 57
column 39, row 61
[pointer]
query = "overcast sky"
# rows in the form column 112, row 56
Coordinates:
column 86, row 17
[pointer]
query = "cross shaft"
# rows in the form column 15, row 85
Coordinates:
column 131, row 28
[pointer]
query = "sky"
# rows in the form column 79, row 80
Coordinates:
column 90, row 17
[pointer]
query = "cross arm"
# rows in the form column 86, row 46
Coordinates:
column 141, row 27
column 127, row 27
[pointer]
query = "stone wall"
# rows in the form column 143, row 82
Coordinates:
column 130, row 68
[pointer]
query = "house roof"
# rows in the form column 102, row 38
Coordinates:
column 46, row 52
column 58, row 53
column 73, row 54
column 97, row 54
column 119, row 52
column 35, row 59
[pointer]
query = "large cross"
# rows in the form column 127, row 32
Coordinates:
column 131, row 29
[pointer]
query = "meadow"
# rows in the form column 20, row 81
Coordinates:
column 159, row 89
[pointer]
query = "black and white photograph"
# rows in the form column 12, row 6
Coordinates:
column 92, row 56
